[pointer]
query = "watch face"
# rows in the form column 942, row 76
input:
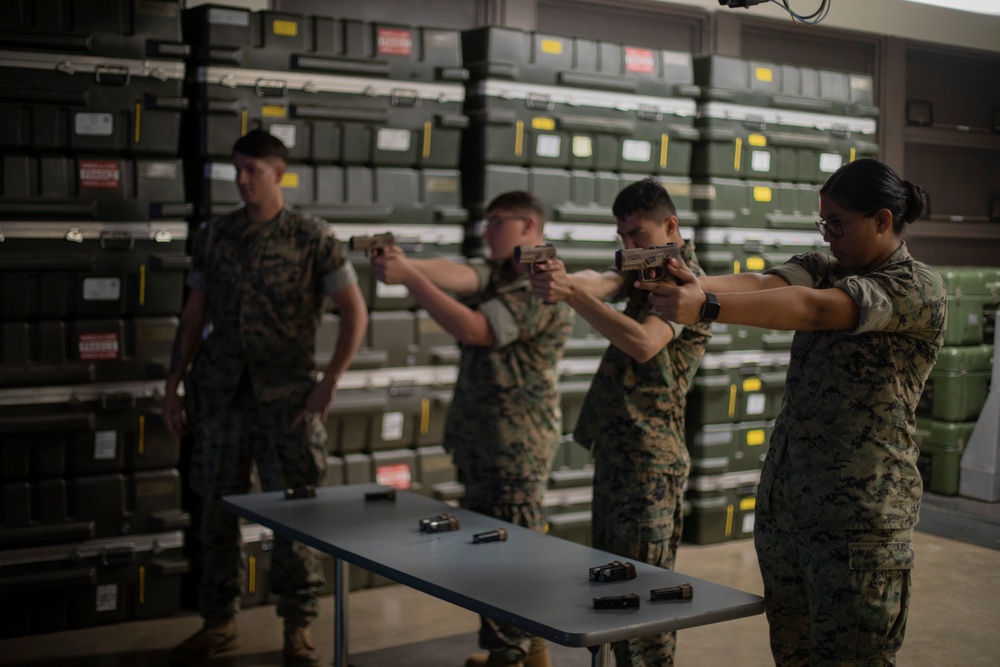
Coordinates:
column 710, row 311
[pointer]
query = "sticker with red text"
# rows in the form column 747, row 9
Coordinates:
column 394, row 42
column 100, row 174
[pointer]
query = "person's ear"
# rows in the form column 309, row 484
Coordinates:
column 279, row 171
column 671, row 223
column 884, row 220
column 530, row 224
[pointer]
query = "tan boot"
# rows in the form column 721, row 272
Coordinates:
column 538, row 654
column 216, row 635
column 300, row 649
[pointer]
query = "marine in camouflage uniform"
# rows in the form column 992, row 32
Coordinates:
column 265, row 284
column 634, row 416
column 840, row 491
column 504, row 422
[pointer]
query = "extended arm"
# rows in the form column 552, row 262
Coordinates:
column 427, row 281
column 775, row 305
column 585, row 292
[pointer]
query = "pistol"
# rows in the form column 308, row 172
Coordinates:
column 534, row 254
column 650, row 262
column 371, row 244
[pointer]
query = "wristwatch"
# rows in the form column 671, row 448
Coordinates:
column 710, row 311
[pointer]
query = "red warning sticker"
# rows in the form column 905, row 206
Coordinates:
column 98, row 346
column 639, row 60
column 394, row 42
column 100, row 174
column 396, row 475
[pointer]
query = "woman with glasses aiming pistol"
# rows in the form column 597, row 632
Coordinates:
column 839, row 491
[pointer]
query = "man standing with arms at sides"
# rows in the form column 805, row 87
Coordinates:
column 632, row 418
column 504, row 422
column 257, row 286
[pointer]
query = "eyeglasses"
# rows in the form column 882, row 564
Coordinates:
column 496, row 221
column 836, row 228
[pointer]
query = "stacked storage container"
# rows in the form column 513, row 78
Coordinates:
column 770, row 134
column 92, row 262
column 960, row 380
column 372, row 115
column 574, row 121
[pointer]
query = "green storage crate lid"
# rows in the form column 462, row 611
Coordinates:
column 971, row 280
column 964, row 359
column 935, row 434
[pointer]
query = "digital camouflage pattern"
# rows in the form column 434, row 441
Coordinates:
column 638, row 408
column 504, row 422
column 844, row 434
column 633, row 420
column 225, row 444
column 866, row 573
column 265, row 284
column 642, row 522
column 840, row 491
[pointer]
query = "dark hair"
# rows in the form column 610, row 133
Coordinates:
column 867, row 185
column 261, row 144
column 519, row 201
column 647, row 197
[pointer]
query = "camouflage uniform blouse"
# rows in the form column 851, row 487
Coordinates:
column 265, row 284
column 842, row 453
column 639, row 407
column 504, row 421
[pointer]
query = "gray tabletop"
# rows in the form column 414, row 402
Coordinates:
column 533, row 581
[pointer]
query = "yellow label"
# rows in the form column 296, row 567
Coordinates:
column 285, row 28
column 543, row 123
column 755, row 437
column 290, row 180
column 747, row 504
column 553, row 46
column 425, row 416
column 761, row 193
column 757, row 140
column 273, row 111
column 755, row 264
column 764, row 74
column 751, row 384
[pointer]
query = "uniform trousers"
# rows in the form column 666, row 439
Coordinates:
column 228, row 445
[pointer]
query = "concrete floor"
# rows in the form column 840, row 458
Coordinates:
column 954, row 619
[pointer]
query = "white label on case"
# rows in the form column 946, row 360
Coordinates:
column 284, row 132
column 760, row 161
column 94, row 124
column 105, row 445
column 102, row 289
column 392, row 426
column 636, row 151
column 748, row 520
column 830, row 162
column 389, row 139
column 583, row 146
column 756, row 404
column 548, row 145
column 220, row 171
column 384, row 291
column 107, row 598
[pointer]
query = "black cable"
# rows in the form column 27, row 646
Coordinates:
column 806, row 19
